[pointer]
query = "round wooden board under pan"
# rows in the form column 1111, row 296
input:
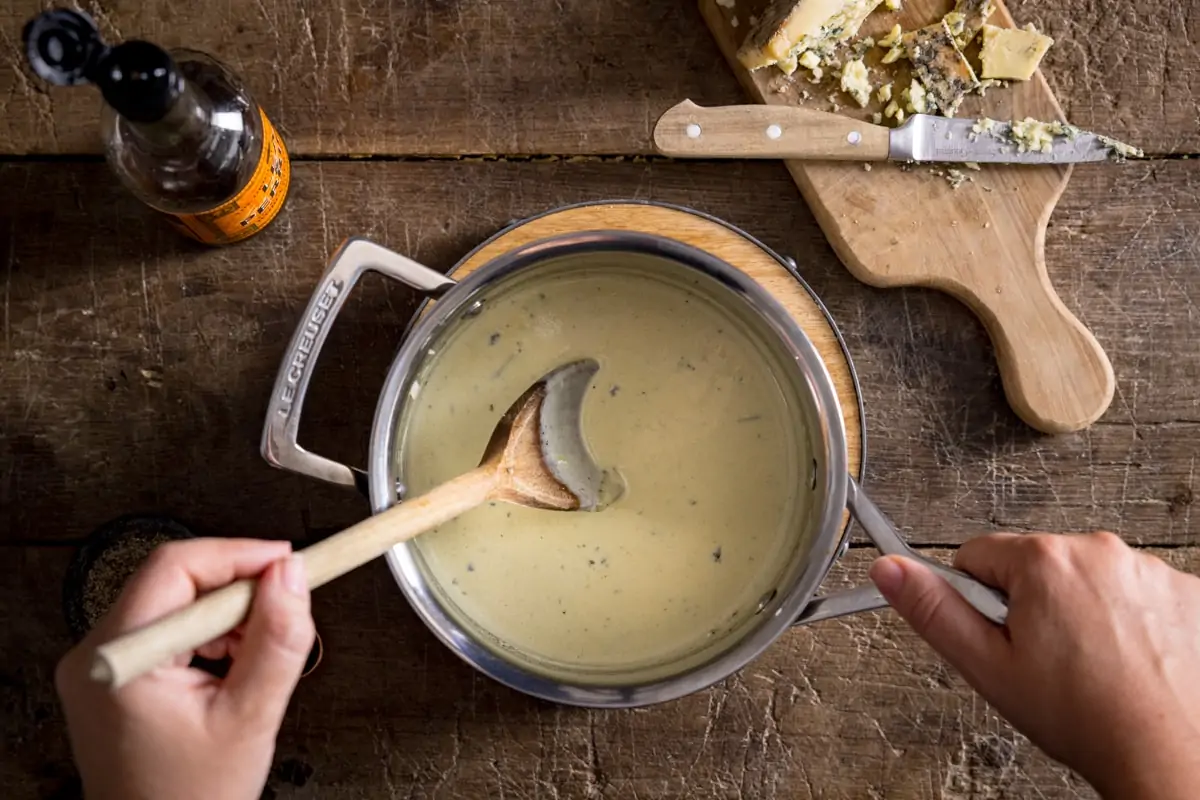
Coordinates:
column 727, row 243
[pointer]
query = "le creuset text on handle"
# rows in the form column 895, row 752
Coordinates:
column 280, row 445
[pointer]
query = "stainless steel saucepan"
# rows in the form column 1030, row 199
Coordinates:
column 818, row 536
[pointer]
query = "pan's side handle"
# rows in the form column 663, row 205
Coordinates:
column 989, row 602
column 280, row 431
column 841, row 604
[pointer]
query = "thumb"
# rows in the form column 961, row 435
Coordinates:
column 278, row 636
column 939, row 615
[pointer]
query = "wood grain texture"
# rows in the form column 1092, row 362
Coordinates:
column 982, row 242
column 844, row 710
column 553, row 76
column 93, row 291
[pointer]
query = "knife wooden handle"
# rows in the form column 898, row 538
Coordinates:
column 752, row 131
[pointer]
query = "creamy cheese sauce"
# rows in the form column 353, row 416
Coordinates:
column 685, row 405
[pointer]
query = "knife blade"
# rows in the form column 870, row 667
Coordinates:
column 761, row 131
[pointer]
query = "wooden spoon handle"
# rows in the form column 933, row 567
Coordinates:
column 117, row 662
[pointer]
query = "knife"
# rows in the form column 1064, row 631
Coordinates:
column 761, row 131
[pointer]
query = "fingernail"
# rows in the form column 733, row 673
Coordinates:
column 888, row 576
column 295, row 578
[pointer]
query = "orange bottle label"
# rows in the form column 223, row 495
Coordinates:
column 249, row 211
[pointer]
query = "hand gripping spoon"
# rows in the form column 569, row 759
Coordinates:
column 537, row 457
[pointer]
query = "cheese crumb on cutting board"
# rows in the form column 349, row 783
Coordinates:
column 856, row 82
column 788, row 28
column 1012, row 53
column 892, row 38
column 914, row 98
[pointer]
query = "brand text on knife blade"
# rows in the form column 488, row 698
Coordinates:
column 308, row 337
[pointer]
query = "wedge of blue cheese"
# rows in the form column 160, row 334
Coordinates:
column 940, row 66
column 1012, row 54
column 788, row 29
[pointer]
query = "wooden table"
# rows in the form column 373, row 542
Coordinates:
column 134, row 369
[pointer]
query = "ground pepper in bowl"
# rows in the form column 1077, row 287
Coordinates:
column 105, row 562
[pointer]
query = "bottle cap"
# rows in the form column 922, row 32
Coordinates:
column 63, row 46
column 138, row 79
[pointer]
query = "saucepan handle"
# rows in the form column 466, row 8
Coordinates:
column 989, row 602
column 355, row 256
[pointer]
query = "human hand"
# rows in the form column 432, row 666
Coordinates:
column 1099, row 664
column 178, row 732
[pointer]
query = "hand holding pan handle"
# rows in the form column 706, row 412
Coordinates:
column 989, row 602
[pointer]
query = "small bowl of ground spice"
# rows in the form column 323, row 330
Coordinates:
column 105, row 562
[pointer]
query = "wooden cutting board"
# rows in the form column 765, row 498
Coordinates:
column 983, row 242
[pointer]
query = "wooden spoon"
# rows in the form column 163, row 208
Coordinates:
column 537, row 457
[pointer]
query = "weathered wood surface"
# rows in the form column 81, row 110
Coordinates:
column 134, row 367
column 553, row 76
column 844, row 710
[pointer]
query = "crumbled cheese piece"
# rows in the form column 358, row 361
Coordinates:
column 787, row 65
column 892, row 5
column 885, row 92
column 817, row 74
column 805, row 95
column 893, row 37
column 733, row 22
column 833, row 104
column 877, row 118
column 856, row 82
column 894, row 110
column 790, row 27
column 1031, row 134
column 867, row 167
column 893, row 55
column 954, row 177
column 956, row 23
column 809, row 60
column 1011, row 54
column 940, row 65
column 988, row 84
column 914, row 98
column 968, row 18
column 984, row 125
column 1119, row 150
column 972, row 165
column 862, row 47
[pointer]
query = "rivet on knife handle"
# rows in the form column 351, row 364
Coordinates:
column 759, row 131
